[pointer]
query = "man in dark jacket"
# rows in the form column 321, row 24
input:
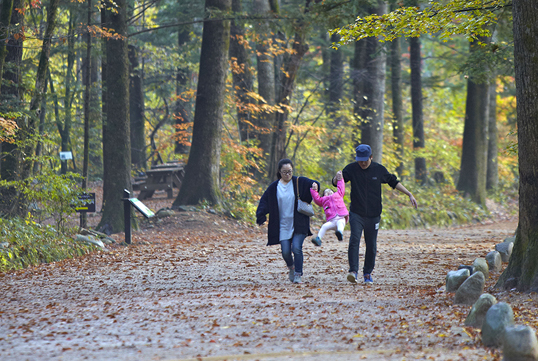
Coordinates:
column 366, row 178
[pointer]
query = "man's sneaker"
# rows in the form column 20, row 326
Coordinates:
column 352, row 277
column 292, row 273
column 368, row 279
column 297, row 279
column 339, row 235
column 316, row 241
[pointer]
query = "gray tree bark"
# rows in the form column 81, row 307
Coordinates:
column 136, row 111
column 492, row 176
column 522, row 269
column 201, row 180
column 472, row 179
column 241, row 76
column 116, row 138
column 397, row 103
column 374, row 92
column 416, row 102
column 266, row 81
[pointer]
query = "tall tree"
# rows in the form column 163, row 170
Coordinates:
column 201, row 179
column 266, row 79
column 5, row 22
column 492, row 175
column 336, row 93
column 183, row 107
column 286, row 75
column 397, row 103
column 116, row 137
column 472, row 179
column 522, row 269
column 374, row 91
column 417, row 111
column 241, row 75
column 136, row 110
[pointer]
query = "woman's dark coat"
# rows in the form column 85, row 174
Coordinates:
column 269, row 204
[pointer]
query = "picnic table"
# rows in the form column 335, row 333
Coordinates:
column 160, row 177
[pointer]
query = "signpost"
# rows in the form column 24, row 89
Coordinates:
column 129, row 202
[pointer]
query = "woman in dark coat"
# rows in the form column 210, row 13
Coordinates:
column 287, row 227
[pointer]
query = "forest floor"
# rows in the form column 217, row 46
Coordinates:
column 200, row 286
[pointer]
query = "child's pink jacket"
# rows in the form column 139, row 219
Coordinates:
column 333, row 205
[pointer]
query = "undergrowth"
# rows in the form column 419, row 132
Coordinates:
column 26, row 243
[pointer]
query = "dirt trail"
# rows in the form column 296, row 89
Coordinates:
column 197, row 286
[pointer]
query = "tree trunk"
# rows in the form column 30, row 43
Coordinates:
column 183, row 108
column 241, row 75
column 416, row 101
column 87, row 66
column 116, row 138
column 201, row 181
column 336, row 93
column 492, row 177
column 285, row 75
column 472, row 179
column 42, row 69
column 374, row 92
column 397, row 104
column 522, row 268
column 11, row 74
column 5, row 20
column 266, row 81
column 358, row 76
column 65, row 129
column 9, row 100
column 136, row 111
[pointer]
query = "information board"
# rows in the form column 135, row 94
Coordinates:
column 88, row 205
column 141, row 207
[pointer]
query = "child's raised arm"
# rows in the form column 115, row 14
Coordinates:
column 315, row 195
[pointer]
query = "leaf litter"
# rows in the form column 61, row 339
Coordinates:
column 210, row 289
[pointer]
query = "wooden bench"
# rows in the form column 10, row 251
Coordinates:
column 161, row 177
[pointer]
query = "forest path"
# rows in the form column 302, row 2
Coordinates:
column 197, row 286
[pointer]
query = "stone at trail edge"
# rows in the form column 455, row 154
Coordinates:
column 476, row 316
column 494, row 261
column 505, row 249
column 454, row 279
column 471, row 289
column 481, row 265
column 520, row 344
column 499, row 316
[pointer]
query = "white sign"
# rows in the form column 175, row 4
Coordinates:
column 66, row 155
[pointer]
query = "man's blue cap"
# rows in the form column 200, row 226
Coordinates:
column 363, row 153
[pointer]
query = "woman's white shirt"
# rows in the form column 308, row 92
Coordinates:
column 286, row 204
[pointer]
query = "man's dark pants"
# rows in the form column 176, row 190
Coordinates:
column 370, row 227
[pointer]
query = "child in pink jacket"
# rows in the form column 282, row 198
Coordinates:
column 336, row 212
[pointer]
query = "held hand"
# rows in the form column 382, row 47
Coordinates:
column 413, row 201
column 315, row 186
column 338, row 175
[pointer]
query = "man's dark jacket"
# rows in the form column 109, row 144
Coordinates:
column 366, row 187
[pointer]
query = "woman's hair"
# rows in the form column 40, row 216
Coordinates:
column 281, row 164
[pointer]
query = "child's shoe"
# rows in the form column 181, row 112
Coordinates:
column 297, row 279
column 352, row 277
column 339, row 235
column 316, row 241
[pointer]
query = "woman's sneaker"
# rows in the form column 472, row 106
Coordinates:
column 297, row 279
column 368, row 279
column 292, row 273
column 316, row 241
column 339, row 235
column 352, row 277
